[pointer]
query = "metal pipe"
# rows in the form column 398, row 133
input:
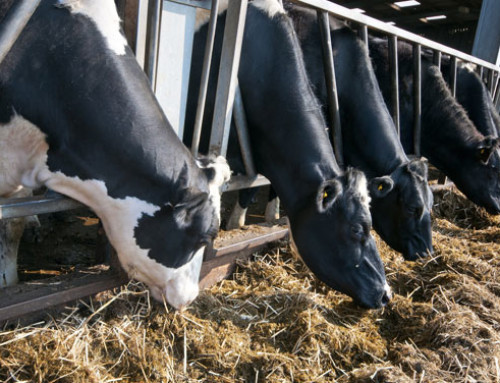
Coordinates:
column 436, row 59
column 417, row 98
column 363, row 34
column 240, row 122
column 393, row 64
column 23, row 207
column 152, row 40
column 491, row 74
column 479, row 71
column 14, row 23
column 230, row 60
column 331, row 86
column 205, row 75
column 346, row 13
column 453, row 76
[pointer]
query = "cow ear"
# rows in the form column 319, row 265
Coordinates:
column 486, row 148
column 379, row 187
column 418, row 167
column 216, row 170
column 328, row 193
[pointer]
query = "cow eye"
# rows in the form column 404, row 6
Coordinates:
column 414, row 210
column 357, row 231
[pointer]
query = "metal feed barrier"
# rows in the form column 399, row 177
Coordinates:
column 24, row 299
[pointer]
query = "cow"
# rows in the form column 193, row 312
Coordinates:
column 449, row 139
column 77, row 116
column 401, row 197
column 328, row 209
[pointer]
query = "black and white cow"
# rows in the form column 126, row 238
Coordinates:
column 401, row 198
column 327, row 209
column 77, row 115
column 449, row 140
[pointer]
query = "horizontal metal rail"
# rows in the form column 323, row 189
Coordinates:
column 29, row 298
column 23, row 207
column 373, row 23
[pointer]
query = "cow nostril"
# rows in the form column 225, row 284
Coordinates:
column 385, row 299
column 386, row 296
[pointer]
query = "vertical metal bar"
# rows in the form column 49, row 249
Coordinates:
column 153, row 38
column 240, row 122
column 363, row 34
column 495, row 86
column 142, row 24
column 490, row 80
column 479, row 70
column 331, row 86
column 436, row 59
column 393, row 64
column 453, row 76
column 230, row 60
column 417, row 98
column 497, row 92
column 205, row 74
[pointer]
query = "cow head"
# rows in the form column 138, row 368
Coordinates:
column 344, row 255
column 477, row 173
column 401, row 205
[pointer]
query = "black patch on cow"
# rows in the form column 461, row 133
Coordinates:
column 174, row 230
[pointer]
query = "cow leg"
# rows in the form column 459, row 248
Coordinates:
column 11, row 231
column 239, row 211
column 273, row 207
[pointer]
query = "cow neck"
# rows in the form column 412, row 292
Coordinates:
column 474, row 97
column 287, row 130
column 129, row 135
column 367, row 127
column 369, row 135
column 446, row 121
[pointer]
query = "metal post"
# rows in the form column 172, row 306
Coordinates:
column 490, row 80
column 230, row 59
column 331, row 86
column 240, row 122
column 479, row 70
column 141, row 32
column 14, row 23
column 152, row 40
column 417, row 98
column 436, row 59
column 393, row 63
column 363, row 34
column 453, row 76
column 205, row 74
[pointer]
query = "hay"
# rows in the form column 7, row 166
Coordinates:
column 274, row 322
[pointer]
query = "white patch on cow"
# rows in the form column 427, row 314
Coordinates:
column 362, row 191
column 469, row 66
column 222, row 175
column 272, row 210
column 105, row 16
column 388, row 290
column 271, row 7
column 237, row 217
column 23, row 151
column 24, row 162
